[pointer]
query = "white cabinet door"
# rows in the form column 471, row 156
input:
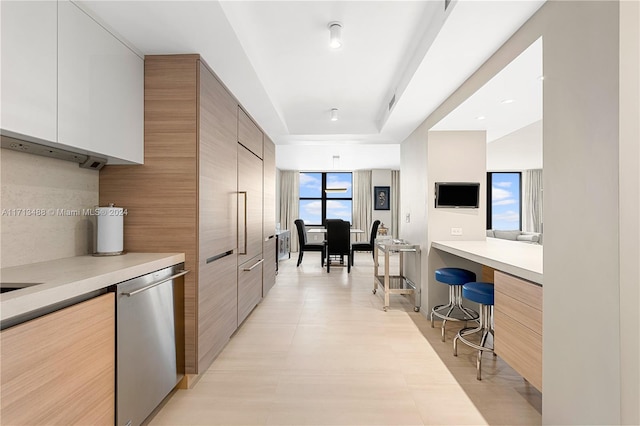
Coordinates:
column 100, row 89
column 29, row 52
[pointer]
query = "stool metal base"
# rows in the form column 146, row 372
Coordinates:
column 453, row 311
column 486, row 328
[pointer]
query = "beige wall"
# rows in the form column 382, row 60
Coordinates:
column 630, row 210
column 413, row 183
column 587, row 371
column 381, row 177
column 520, row 150
column 453, row 156
column 44, row 184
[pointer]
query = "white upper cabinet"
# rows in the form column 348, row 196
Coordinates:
column 100, row 89
column 29, row 68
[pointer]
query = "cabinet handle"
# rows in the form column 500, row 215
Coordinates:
column 269, row 237
column 242, row 227
column 219, row 256
column 140, row 290
column 254, row 265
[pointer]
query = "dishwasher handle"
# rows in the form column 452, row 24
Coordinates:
column 145, row 288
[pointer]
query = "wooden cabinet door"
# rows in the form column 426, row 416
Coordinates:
column 29, row 68
column 270, row 253
column 60, row 368
column 249, row 135
column 100, row 89
column 218, row 158
column 249, row 205
column 217, row 307
column 249, row 287
column 269, row 183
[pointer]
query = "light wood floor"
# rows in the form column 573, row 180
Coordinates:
column 319, row 350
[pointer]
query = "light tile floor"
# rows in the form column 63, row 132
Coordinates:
column 319, row 350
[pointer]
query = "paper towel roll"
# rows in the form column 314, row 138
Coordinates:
column 110, row 225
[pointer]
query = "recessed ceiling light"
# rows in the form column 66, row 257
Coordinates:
column 541, row 78
column 480, row 117
column 507, row 101
column 335, row 35
column 334, row 114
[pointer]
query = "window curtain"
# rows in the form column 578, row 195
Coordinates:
column 362, row 203
column 395, row 203
column 532, row 200
column 289, row 206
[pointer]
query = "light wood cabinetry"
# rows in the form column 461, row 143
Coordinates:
column 183, row 199
column 217, row 218
column 60, row 368
column 249, row 134
column 518, row 325
column 250, row 239
column 269, row 245
column 249, row 205
column 198, row 192
column 100, row 89
column 29, row 68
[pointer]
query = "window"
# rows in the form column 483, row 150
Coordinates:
column 316, row 204
column 504, row 203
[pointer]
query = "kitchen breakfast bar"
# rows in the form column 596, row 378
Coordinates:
column 517, row 270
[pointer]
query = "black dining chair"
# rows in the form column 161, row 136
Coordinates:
column 304, row 246
column 338, row 242
column 366, row 246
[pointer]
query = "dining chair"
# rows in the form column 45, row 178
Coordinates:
column 304, row 246
column 366, row 246
column 338, row 241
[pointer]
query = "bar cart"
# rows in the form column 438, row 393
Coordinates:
column 395, row 284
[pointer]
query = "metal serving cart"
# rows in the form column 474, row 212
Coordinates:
column 395, row 284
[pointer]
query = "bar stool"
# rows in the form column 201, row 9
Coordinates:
column 481, row 293
column 453, row 311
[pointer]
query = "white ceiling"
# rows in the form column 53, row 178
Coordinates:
column 274, row 57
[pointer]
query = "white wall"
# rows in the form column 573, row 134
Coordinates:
column 584, row 272
column 413, row 203
column 381, row 178
column 520, row 150
column 454, row 156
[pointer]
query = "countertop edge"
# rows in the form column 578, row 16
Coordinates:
column 15, row 303
column 517, row 271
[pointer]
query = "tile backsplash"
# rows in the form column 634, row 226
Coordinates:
column 45, row 206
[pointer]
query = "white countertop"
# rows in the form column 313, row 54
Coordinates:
column 513, row 257
column 64, row 279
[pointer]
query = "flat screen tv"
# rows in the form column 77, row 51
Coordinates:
column 463, row 195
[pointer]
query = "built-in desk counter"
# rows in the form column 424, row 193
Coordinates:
column 518, row 299
column 513, row 257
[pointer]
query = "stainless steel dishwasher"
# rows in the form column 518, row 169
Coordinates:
column 149, row 312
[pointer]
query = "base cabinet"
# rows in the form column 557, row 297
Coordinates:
column 60, row 368
column 518, row 326
column 249, row 287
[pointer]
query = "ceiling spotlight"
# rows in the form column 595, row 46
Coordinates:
column 480, row 117
column 335, row 35
column 334, row 114
column 541, row 78
column 508, row 101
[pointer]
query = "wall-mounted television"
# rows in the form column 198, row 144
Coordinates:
column 462, row 195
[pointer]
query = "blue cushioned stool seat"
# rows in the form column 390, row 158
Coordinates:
column 481, row 293
column 453, row 311
column 478, row 292
column 454, row 276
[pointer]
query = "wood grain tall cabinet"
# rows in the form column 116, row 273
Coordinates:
column 185, row 196
column 269, row 248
